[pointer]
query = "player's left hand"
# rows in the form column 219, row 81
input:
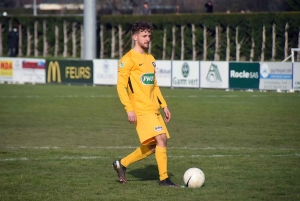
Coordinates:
column 167, row 114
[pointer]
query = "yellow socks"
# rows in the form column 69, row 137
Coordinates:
column 138, row 154
column 161, row 159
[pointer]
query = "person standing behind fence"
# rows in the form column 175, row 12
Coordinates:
column 13, row 42
column 209, row 7
column 146, row 9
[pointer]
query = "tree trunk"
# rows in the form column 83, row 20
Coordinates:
column 217, row 44
column 101, row 42
column 20, row 52
column 56, row 46
column 298, row 55
column 132, row 43
column 36, row 39
column 150, row 45
column 120, row 41
column 286, row 44
column 182, row 43
column 1, row 45
column 228, row 44
column 164, row 44
column 173, row 42
column 194, row 42
column 28, row 42
column 45, row 49
column 263, row 46
column 238, row 47
column 81, row 40
column 252, row 48
column 65, row 30
column 204, row 43
column 273, row 42
column 113, row 43
column 10, row 25
column 74, row 44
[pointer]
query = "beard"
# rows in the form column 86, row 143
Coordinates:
column 144, row 46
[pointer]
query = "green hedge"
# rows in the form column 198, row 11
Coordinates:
column 250, row 25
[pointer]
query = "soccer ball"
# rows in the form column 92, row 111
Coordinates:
column 193, row 178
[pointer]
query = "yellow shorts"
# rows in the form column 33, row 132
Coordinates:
column 150, row 125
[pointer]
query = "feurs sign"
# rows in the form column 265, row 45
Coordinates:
column 244, row 75
column 69, row 71
column 185, row 74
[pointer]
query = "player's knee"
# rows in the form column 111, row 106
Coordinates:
column 152, row 148
column 161, row 140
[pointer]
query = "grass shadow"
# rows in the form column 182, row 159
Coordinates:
column 149, row 172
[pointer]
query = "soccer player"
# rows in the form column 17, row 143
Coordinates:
column 139, row 93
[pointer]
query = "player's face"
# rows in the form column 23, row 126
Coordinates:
column 143, row 38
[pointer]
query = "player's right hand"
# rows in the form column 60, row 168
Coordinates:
column 131, row 117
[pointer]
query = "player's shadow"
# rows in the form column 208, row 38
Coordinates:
column 149, row 172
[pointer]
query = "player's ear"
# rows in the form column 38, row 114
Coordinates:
column 134, row 37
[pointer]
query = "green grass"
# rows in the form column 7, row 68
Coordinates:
column 57, row 142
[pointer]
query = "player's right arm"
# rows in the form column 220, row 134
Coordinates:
column 124, row 68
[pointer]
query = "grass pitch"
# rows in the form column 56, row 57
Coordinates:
column 58, row 142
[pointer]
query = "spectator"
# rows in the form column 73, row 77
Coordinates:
column 177, row 9
column 209, row 7
column 146, row 9
column 13, row 42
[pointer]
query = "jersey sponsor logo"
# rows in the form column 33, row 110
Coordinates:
column 154, row 64
column 140, row 64
column 158, row 128
column 122, row 64
column 185, row 69
column 147, row 78
column 213, row 74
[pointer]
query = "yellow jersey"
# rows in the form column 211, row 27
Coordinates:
column 137, row 86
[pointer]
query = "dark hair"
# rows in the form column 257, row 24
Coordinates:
column 141, row 26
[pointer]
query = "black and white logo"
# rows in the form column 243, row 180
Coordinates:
column 185, row 69
column 213, row 74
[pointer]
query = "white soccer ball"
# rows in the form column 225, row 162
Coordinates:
column 193, row 178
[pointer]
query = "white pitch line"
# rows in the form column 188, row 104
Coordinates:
column 170, row 156
column 133, row 147
column 115, row 96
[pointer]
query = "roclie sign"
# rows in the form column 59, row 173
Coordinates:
column 69, row 71
column 244, row 75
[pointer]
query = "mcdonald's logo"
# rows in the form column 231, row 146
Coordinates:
column 53, row 72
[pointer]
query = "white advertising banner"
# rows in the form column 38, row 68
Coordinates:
column 296, row 76
column 275, row 75
column 163, row 73
column 22, row 70
column 214, row 74
column 185, row 74
column 33, row 71
column 105, row 71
